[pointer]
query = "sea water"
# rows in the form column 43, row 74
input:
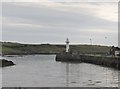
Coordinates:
column 44, row 71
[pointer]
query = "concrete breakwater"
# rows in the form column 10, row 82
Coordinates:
column 68, row 58
column 107, row 61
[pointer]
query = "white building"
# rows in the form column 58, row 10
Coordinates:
column 67, row 45
column 117, row 52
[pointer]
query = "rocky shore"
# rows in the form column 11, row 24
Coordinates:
column 5, row 63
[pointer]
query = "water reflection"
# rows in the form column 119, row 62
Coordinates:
column 1, row 73
column 90, row 75
column 0, row 77
column 67, row 74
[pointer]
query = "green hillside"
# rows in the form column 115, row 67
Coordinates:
column 17, row 48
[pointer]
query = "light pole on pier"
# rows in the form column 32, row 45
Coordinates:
column 90, row 41
column 105, row 40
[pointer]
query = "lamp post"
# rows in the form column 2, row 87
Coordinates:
column 91, row 46
column 105, row 40
column 90, row 41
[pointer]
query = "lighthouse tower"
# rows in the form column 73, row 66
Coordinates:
column 67, row 45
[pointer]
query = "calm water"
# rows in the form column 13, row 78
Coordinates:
column 44, row 71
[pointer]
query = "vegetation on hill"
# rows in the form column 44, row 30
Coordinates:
column 17, row 48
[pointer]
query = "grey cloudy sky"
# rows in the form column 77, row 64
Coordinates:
column 49, row 21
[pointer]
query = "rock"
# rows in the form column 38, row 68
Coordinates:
column 4, row 63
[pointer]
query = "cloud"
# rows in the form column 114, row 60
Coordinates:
column 43, row 22
column 59, row 1
column 46, row 16
column 22, row 25
column 104, row 10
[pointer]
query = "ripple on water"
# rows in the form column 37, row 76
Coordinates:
column 91, row 84
column 73, row 82
column 98, row 81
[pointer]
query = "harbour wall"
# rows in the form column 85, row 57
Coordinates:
column 107, row 61
column 68, row 58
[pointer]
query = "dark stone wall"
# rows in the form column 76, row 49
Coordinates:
column 113, row 62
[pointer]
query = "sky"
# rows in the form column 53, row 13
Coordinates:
column 52, row 21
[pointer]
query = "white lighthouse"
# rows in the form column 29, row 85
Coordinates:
column 67, row 45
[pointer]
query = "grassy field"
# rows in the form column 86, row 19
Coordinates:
column 17, row 48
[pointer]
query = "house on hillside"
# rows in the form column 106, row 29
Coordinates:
column 115, row 51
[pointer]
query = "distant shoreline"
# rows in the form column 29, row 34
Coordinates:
column 9, row 48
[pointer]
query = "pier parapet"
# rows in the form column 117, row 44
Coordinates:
column 68, row 57
column 107, row 61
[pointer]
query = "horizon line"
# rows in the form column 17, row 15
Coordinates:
column 56, row 43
